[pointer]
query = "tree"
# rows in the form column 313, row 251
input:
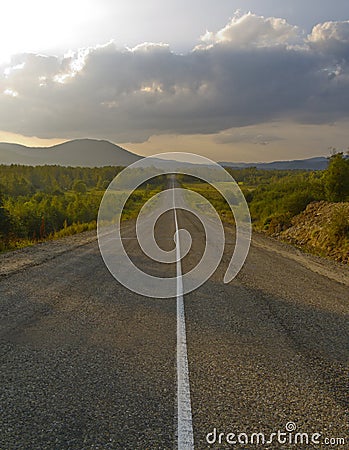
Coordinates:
column 5, row 222
column 79, row 186
column 336, row 178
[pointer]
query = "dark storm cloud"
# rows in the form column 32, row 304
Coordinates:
column 253, row 70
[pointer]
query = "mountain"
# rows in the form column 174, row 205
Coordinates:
column 97, row 153
column 79, row 152
column 317, row 163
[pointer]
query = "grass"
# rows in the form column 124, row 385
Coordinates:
column 214, row 197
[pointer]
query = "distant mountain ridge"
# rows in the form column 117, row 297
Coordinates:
column 98, row 153
column 78, row 152
column 317, row 163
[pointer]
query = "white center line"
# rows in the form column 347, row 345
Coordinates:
column 185, row 423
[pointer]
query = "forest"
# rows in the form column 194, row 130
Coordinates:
column 45, row 202
column 42, row 202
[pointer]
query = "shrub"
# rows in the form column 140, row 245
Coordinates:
column 336, row 178
column 338, row 228
column 277, row 223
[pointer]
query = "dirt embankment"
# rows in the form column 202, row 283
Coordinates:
column 322, row 228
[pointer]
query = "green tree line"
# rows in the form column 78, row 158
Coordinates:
column 274, row 203
column 45, row 201
column 276, row 196
column 39, row 202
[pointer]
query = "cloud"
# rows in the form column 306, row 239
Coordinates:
column 330, row 32
column 250, row 30
column 240, row 136
column 252, row 71
column 331, row 38
column 151, row 47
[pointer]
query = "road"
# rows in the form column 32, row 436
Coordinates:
column 87, row 364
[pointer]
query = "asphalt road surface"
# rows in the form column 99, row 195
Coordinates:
column 87, row 364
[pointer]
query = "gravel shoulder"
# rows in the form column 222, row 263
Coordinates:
column 323, row 266
column 17, row 260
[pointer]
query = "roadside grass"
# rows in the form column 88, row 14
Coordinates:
column 214, row 197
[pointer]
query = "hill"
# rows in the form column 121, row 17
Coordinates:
column 322, row 228
column 79, row 152
column 317, row 163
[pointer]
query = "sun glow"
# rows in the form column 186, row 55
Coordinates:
column 40, row 25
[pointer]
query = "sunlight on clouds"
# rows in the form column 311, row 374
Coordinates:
column 336, row 31
column 246, row 30
column 30, row 141
column 10, row 92
column 77, row 61
column 152, row 88
column 151, row 47
column 9, row 70
column 42, row 81
column 63, row 78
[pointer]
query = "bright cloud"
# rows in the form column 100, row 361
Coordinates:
column 331, row 31
column 250, row 30
column 331, row 38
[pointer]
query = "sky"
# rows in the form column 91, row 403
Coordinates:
column 233, row 80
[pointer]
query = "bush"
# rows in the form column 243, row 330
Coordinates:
column 79, row 186
column 278, row 223
column 338, row 228
column 336, row 179
column 297, row 202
